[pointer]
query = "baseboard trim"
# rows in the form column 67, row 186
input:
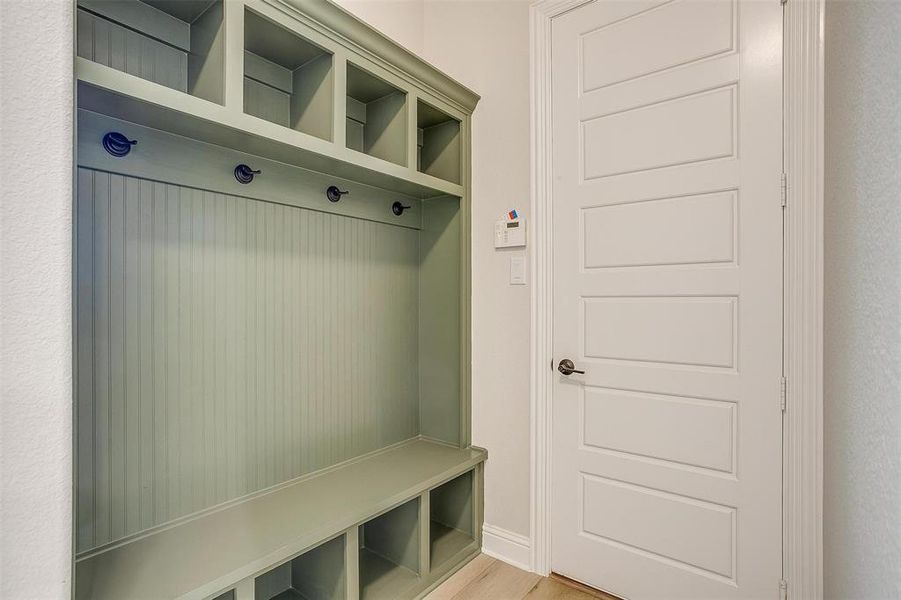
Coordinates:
column 507, row 546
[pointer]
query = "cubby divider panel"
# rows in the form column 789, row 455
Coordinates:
column 389, row 553
column 318, row 574
column 438, row 143
column 287, row 79
column 180, row 45
column 451, row 523
column 376, row 116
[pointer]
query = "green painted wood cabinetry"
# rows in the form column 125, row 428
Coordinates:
column 243, row 346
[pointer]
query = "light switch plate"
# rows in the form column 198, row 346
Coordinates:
column 518, row 269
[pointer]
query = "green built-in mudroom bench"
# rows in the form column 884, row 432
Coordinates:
column 387, row 526
column 272, row 306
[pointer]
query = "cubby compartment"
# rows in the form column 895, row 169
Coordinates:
column 288, row 80
column 376, row 116
column 437, row 143
column 318, row 574
column 229, row 595
column 389, row 553
column 451, row 523
column 178, row 44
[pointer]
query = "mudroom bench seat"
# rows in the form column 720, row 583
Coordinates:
column 389, row 525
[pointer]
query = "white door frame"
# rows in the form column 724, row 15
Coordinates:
column 802, row 550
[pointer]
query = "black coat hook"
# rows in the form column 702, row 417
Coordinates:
column 398, row 209
column 334, row 194
column 244, row 174
column 117, row 144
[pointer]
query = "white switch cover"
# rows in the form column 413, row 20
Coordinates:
column 518, row 269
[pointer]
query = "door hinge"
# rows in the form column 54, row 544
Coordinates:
column 784, row 190
column 552, row 363
column 783, row 590
column 783, row 392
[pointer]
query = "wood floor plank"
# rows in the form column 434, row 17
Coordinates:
column 486, row 578
column 549, row 589
column 459, row 580
column 499, row 581
column 572, row 583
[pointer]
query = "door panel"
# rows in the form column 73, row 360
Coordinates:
column 671, row 429
column 667, row 279
column 687, row 230
column 686, row 32
column 674, row 132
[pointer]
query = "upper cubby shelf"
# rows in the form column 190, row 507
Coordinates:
column 178, row 44
column 304, row 83
column 287, row 79
column 376, row 116
column 438, row 143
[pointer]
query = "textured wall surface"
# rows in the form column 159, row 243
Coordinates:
column 862, row 416
column 35, row 299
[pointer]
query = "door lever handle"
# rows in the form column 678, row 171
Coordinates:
column 567, row 367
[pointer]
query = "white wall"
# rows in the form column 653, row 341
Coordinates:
column 862, row 416
column 401, row 20
column 35, row 305
column 484, row 44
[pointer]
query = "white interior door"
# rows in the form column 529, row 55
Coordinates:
column 667, row 216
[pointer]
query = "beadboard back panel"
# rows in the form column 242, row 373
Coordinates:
column 110, row 44
column 225, row 345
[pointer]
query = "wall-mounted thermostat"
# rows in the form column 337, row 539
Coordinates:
column 510, row 233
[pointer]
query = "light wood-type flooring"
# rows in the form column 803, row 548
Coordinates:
column 486, row 578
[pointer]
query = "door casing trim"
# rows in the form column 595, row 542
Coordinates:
column 803, row 94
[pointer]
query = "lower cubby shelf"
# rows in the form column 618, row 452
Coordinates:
column 446, row 542
column 389, row 553
column 451, row 522
column 318, row 574
column 380, row 578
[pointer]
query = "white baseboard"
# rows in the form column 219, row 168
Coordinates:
column 507, row 546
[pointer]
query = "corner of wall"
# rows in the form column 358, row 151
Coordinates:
column 36, row 133
column 508, row 546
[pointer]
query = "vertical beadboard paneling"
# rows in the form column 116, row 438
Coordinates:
column 226, row 345
column 267, row 102
column 112, row 45
column 87, row 417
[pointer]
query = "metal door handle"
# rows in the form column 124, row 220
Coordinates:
column 567, row 367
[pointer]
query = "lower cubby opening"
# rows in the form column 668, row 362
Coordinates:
column 389, row 553
column 318, row 574
column 451, row 525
